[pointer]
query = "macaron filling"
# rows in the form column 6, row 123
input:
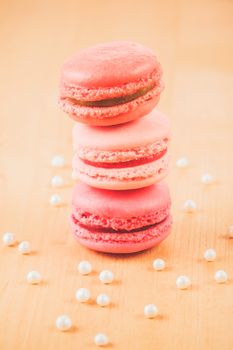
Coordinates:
column 127, row 164
column 110, row 102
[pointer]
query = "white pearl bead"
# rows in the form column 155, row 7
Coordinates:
column 220, row 276
column 190, row 206
column 151, row 311
column 34, row 277
column 55, row 200
column 207, row 179
column 210, row 254
column 58, row 161
column 159, row 264
column 106, row 276
column 8, row 239
column 57, row 181
column 83, row 295
column 84, row 267
column 63, row 323
column 182, row 162
column 101, row 339
column 103, row 300
column 183, row 282
column 230, row 231
column 24, row 247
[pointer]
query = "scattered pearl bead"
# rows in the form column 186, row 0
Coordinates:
column 24, row 247
column 183, row 282
column 103, row 300
column 8, row 239
column 106, row 276
column 83, row 295
column 159, row 264
column 151, row 311
column 58, row 161
column 57, row 181
column 230, row 230
column 34, row 277
column 101, row 339
column 207, row 179
column 84, row 267
column 220, row 276
column 63, row 323
column 182, row 162
column 55, row 200
column 190, row 206
column 210, row 254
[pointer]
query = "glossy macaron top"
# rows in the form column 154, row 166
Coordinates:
column 121, row 204
column 110, row 70
column 141, row 132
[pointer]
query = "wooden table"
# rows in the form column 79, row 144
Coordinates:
column 193, row 40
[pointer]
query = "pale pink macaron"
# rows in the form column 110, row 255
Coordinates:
column 110, row 83
column 125, row 156
column 121, row 221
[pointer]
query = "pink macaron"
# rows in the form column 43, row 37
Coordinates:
column 110, row 83
column 121, row 221
column 125, row 156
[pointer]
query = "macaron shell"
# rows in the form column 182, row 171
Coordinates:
column 153, row 127
column 125, row 204
column 123, row 243
column 109, row 64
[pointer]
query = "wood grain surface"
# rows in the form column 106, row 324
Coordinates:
column 193, row 40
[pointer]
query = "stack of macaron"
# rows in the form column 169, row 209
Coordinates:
column 120, row 203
